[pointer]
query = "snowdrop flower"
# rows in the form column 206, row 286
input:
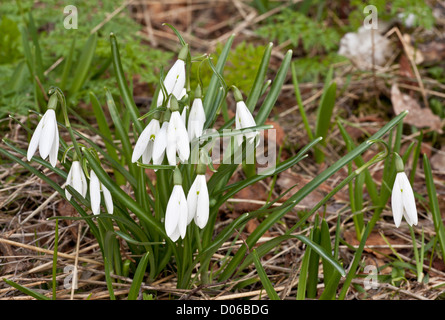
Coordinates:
column 198, row 199
column 175, row 79
column 197, row 117
column 243, row 119
column 176, row 214
column 46, row 135
column 76, row 179
column 95, row 188
column 177, row 136
column 144, row 145
column 402, row 198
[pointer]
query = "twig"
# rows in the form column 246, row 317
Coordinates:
column 51, row 252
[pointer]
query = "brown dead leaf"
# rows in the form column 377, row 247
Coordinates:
column 256, row 191
column 251, row 225
column 438, row 160
column 433, row 51
column 289, row 179
column 374, row 239
column 417, row 116
column 279, row 132
column 66, row 209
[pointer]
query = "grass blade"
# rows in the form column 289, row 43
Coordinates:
column 258, row 84
column 263, row 277
column 84, row 64
column 27, row 291
column 434, row 204
column 324, row 115
column 275, row 90
column 126, row 94
column 138, row 277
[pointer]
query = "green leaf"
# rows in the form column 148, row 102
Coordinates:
column 324, row 115
column 279, row 212
column 27, row 291
column 138, row 277
column 258, row 83
column 83, row 65
column 263, row 277
column 275, row 90
column 126, row 94
column 212, row 90
column 325, row 255
column 434, row 204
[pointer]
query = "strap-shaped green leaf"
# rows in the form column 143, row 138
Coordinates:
column 126, row 94
column 263, row 277
column 275, row 90
column 138, row 277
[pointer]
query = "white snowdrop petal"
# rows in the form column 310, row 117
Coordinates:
column 245, row 115
column 192, row 201
column 94, row 193
column 141, row 144
column 108, row 199
column 183, row 147
column 69, row 182
column 179, row 83
column 396, row 202
column 148, row 153
column 183, row 216
column 196, row 119
column 54, row 148
column 160, row 144
column 34, row 143
column 175, row 234
column 77, row 183
column 171, row 153
column 84, row 183
column 172, row 212
column 407, row 217
column 202, row 210
column 47, row 135
column 174, row 81
column 184, row 115
column 408, row 199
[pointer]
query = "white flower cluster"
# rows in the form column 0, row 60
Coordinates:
column 46, row 138
column 170, row 135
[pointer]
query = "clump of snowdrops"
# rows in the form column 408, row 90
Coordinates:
column 170, row 222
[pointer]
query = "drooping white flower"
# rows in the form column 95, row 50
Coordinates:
column 76, row 179
column 46, row 138
column 177, row 136
column 243, row 120
column 160, row 144
column 402, row 198
column 197, row 117
column 144, row 145
column 95, row 189
column 176, row 214
column 198, row 201
column 175, row 79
